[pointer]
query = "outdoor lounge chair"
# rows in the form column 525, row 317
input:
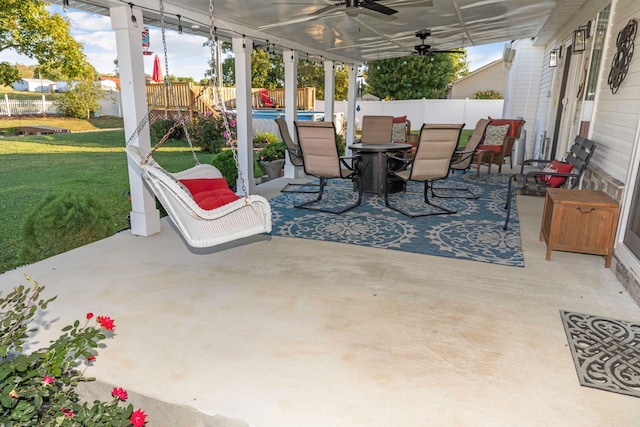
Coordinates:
column 430, row 163
column 319, row 148
column 503, row 149
column 295, row 156
column 265, row 101
column 557, row 174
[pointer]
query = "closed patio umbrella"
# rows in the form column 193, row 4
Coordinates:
column 157, row 70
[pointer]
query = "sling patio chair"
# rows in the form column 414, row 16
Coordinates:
column 319, row 148
column 376, row 130
column 463, row 158
column 430, row 163
column 295, row 156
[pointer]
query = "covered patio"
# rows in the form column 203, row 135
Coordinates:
column 275, row 331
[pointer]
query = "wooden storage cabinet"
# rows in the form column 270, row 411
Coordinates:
column 582, row 221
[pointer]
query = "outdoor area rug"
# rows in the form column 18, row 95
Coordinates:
column 473, row 233
column 606, row 352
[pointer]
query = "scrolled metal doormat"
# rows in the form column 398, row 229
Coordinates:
column 606, row 352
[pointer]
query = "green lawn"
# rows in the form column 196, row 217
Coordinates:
column 33, row 167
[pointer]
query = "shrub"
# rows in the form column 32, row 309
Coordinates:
column 262, row 138
column 272, row 151
column 208, row 132
column 160, row 127
column 487, row 94
column 61, row 223
column 81, row 101
column 39, row 388
column 226, row 164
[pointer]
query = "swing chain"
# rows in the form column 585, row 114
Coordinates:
column 213, row 38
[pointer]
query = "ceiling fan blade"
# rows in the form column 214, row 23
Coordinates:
column 372, row 5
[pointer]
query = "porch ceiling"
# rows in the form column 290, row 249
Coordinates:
column 356, row 35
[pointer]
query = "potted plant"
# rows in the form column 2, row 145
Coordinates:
column 272, row 159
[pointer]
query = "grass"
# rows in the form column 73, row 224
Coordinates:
column 32, row 167
column 7, row 124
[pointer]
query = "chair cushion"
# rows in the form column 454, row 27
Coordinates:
column 400, row 119
column 399, row 131
column 514, row 125
column 497, row 149
column 494, row 135
column 210, row 193
column 556, row 166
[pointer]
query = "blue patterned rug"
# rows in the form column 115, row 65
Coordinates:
column 473, row 233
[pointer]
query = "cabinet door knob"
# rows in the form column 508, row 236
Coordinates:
column 589, row 210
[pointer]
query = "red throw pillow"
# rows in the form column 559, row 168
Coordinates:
column 400, row 119
column 210, row 193
column 513, row 128
column 556, row 166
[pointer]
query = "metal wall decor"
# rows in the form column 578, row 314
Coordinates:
column 622, row 58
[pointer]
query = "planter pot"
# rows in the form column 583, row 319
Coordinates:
column 273, row 168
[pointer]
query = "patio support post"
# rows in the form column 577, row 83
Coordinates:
column 144, row 217
column 242, row 47
column 329, row 90
column 351, row 107
column 290, row 59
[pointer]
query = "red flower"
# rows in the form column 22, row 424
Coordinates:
column 67, row 412
column 91, row 358
column 14, row 394
column 106, row 322
column 138, row 418
column 89, row 316
column 119, row 393
column 47, row 380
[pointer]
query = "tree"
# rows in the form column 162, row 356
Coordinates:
column 487, row 94
column 414, row 77
column 81, row 101
column 28, row 28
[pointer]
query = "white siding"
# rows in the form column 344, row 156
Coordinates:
column 616, row 115
column 522, row 89
column 490, row 77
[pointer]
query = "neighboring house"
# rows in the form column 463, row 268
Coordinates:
column 34, row 85
column 492, row 76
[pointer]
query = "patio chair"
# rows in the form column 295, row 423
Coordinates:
column 319, row 148
column 503, row 146
column 462, row 160
column 295, row 156
column 265, row 101
column 430, row 163
column 565, row 174
column 376, row 130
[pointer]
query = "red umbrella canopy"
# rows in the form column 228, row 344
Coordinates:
column 157, row 70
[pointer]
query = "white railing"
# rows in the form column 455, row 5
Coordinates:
column 10, row 107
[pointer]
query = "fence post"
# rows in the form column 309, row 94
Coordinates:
column 6, row 100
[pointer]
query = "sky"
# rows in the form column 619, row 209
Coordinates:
column 187, row 56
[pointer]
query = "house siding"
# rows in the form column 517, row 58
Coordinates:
column 491, row 77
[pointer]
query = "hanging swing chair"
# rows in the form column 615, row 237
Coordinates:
column 198, row 200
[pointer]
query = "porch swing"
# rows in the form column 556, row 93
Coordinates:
column 198, row 200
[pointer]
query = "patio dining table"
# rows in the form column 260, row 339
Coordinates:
column 374, row 165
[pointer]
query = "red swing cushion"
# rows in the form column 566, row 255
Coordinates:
column 210, row 193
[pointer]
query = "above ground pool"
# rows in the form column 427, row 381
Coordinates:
column 274, row 113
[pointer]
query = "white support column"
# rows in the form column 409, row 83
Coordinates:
column 329, row 90
column 290, row 59
column 242, row 47
column 145, row 218
column 351, row 107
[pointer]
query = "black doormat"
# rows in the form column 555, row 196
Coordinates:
column 606, row 352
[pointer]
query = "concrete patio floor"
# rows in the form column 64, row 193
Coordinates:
column 281, row 332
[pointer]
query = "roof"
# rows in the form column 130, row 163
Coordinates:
column 326, row 29
column 478, row 71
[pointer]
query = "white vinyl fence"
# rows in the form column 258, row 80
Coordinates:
column 419, row 111
column 14, row 107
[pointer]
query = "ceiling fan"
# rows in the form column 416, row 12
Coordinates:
column 424, row 49
column 357, row 4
